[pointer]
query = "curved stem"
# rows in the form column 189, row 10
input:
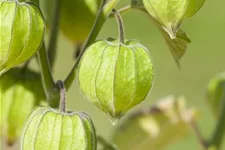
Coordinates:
column 120, row 25
column 219, row 132
column 122, row 10
column 105, row 144
column 101, row 18
column 62, row 96
column 54, row 34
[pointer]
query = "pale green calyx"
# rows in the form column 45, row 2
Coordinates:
column 20, row 91
column 216, row 93
column 171, row 13
column 50, row 129
column 116, row 76
column 21, row 30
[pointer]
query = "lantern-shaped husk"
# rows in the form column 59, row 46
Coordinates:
column 47, row 128
column 116, row 76
column 22, row 31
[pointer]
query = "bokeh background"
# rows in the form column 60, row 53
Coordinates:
column 204, row 58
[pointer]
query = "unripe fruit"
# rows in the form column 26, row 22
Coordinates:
column 22, row 31
column 216, row 94
column 50, row 129
column 116, row 76
column 76, row 17
column 20, row 92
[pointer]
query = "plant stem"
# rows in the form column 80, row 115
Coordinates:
column 54, row 34
column 62, row 96
column 120, row 25
column 122, row 10
column 198, row 134
column 34, row 1
column 101, row 18
column 106, row 145
column 78, row 49
column 47, row 79
column 219, row 132
column 50, row 88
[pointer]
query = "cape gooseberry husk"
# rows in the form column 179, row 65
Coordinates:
column 20, row 92
column 76, row 17
column 116, row 76
column 170, row 13
column 47, row 128
column 22, row 31
column 215, row 93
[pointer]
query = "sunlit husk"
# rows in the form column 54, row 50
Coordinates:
column 116, row 76
column 22, row 31
column 51, row 129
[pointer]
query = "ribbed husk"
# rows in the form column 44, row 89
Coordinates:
column 47, row 128
column 22, row 32
column 116, row 76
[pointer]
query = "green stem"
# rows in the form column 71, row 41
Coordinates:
column 122, row 10
column 62, row 96
column 198, row 134
column 78, row 49
column 120, row 25
column 34, row 1
column 54, row 34
column 50, row 88
column 105, row 144
column 219, row 132
column 101, row 18
column 47, row 78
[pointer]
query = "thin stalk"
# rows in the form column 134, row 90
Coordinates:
column 122, row 10
column 62, row 96
column 101, row 18
column 34, row 1
column 52, row 47
column 78, row 49
column 219, row 131
column 120, row 25
column 105, row 144
column 199, row 136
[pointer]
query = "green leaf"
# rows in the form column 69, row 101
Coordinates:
column 193, row 7
column 167, row 121
column 177, row 46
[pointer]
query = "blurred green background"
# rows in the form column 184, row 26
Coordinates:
column 205, row 57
